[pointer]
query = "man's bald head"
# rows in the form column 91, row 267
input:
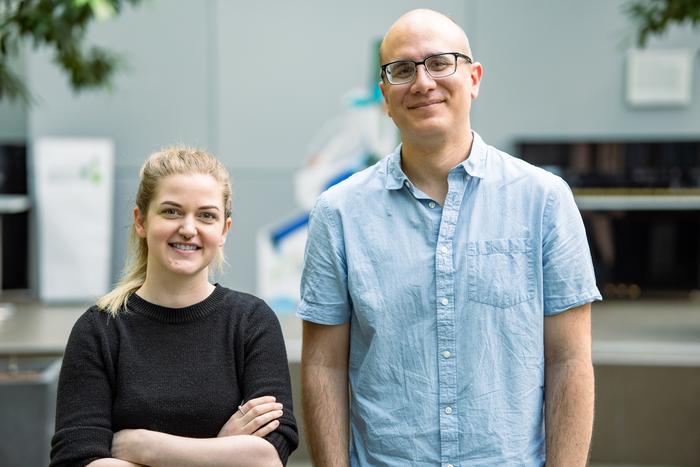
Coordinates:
column 421, row 21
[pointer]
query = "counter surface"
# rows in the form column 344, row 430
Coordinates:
column 624, row 332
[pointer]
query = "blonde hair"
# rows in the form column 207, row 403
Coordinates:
column 175, row 160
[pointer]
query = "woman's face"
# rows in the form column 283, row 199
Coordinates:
column 184, row 227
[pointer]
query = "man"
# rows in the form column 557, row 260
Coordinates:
column 449, row 285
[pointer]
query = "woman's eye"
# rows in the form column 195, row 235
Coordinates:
column 208, row 216
column 169, row 212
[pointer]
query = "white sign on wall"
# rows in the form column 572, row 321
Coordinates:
column 74, row 184
column 659, row 77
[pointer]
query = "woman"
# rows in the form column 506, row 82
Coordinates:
column 167, row 368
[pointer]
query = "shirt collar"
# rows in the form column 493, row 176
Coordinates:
column 395, row 178
column 474, row 165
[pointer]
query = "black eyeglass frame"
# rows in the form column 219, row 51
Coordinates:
column 457, row 55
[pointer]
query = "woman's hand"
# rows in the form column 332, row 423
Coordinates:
column 257, row 417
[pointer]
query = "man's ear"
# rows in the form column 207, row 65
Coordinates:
column 139, row 223
column 382, row 87
column 475, row 73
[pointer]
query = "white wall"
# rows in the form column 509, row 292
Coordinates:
column 557, row 70
column 251, row 82
column 245, row 80
column 276, row 89
column 161, row 98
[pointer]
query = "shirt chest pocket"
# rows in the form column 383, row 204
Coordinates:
column 500, row 272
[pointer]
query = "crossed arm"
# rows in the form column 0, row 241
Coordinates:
column 239, row 443
column 569, row 387
column 151, row 448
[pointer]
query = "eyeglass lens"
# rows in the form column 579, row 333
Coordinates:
column 437, row 66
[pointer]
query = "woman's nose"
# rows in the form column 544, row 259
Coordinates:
column 187, row 229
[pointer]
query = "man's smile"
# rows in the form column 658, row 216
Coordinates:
column 428, row 103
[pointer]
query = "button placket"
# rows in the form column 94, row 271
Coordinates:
column 445, row 287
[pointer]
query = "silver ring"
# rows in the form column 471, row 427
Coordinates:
column 240, row 407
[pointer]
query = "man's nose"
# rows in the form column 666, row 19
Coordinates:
column 423, row 80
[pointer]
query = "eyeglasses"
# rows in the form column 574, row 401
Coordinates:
column 437, row 66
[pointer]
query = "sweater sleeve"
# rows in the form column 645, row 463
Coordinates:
column 266, row 372
column 84, row 399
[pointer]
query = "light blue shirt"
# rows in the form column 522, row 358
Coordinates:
column 446, row 305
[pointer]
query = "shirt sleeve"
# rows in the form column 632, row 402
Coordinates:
column 324, row 280
column 266, row 372
column 84, row 399
column 568, row 276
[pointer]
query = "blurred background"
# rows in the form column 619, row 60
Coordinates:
column 284, row 93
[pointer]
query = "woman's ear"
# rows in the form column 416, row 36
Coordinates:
column 227, row 227
column 139, row 223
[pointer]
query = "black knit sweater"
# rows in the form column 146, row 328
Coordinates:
column 179, row 371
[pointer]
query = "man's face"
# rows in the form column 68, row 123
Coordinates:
column 430, row 109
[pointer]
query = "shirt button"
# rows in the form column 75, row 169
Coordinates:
column 431, row 205
column 448, row 410
column 449, row 465
column 444, row 301
column 446, row 354
column 443, row 249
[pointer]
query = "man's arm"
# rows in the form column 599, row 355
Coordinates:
column 324, row 379
column 569, row 387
